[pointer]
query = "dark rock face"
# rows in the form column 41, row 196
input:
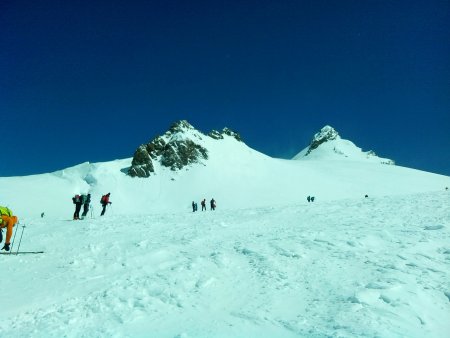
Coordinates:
column 179, row 127
column 231, row 133
column 156, row 147
column 215, row 135
column 178, row 154
column 142, row 165
column 218, row 135
column 170, row 151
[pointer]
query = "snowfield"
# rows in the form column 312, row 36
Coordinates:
column 266, row 263
column 364, row 267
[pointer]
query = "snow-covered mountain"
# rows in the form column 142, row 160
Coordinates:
column 185, row 165
column 265, row 263
column 327, row 144
column 181, row 146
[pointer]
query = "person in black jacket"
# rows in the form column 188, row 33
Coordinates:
column 78, row 203
column 203, row 203
column 86, row 199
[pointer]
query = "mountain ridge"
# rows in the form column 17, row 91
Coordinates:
column 234, row 174
column 183, row 145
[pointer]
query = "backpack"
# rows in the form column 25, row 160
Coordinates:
column 76, row 199
column 5, row 211
column 103, row 199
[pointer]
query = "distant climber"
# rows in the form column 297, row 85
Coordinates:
column 7, row 220
column 194, row 206
column 203, row 203
column 78, row 203
column 213, row 204
column 308, row 199
column 312, row 198
column 104, row 202
column 86, row 199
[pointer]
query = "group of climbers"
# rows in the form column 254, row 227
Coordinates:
column 212, row 204
column 85, row 200
column 8, row 220
column 79, row 201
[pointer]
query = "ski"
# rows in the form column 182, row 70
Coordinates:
column 20, row 252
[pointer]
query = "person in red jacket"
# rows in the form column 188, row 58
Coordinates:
column 7, row 220
column 105, row 201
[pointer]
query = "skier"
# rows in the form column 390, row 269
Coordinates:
column 8, row 220
column 203, row 204
column 78, row 203
column 213, row 204
column 104, row 202
column 86, row 199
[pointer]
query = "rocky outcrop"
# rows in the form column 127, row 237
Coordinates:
column 218, row 135
column 142, row 165
column 178, row 154
column 179, row 147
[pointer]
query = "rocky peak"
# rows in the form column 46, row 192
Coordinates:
column 180, row 146
column 180, row 127
column 325, row 134
column 231, row 133
column 327, row 144
column 218, row 135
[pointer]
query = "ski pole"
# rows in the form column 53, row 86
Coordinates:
column 15, row 233
column 23, row 228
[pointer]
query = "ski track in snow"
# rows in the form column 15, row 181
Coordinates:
column 350, row 268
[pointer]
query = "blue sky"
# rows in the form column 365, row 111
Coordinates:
column 91, row 81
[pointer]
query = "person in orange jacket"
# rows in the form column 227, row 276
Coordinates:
column 8, row 220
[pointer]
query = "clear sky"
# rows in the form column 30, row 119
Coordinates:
column 92, row 80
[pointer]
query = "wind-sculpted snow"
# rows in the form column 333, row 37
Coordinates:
column 368, row 267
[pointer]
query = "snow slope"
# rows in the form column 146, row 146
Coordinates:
column 374, row 267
